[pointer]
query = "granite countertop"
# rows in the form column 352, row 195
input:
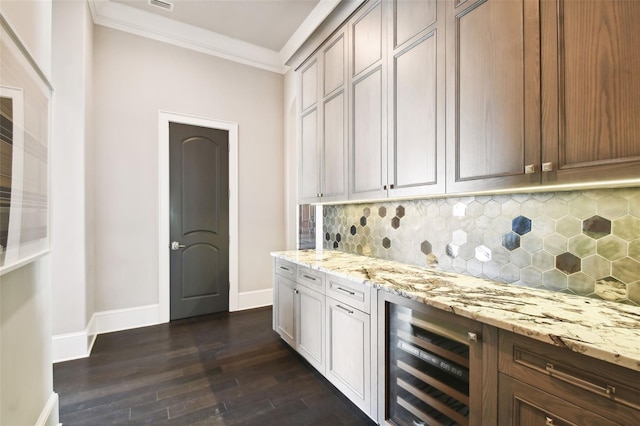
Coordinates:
column 604, row 330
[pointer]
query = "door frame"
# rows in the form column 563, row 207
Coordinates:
column 164, row 279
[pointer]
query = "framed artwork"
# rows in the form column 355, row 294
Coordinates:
column 25, row 117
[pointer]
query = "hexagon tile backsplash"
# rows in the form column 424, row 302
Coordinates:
column 581, row 242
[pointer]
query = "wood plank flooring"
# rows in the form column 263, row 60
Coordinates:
column 221, row 369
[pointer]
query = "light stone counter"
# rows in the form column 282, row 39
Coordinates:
column 603, row 330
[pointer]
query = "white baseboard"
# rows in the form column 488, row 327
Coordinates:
column 69, row 346
column 255, row 299
column 125, row 319
column 78, row 345
column 49, row 413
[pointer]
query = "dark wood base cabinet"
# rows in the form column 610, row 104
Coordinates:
column 524, row 405
column 541, row 384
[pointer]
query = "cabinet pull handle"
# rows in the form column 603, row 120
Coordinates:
column 384, row 187
column 309, row 277
column 294, row 291
column 344, row 309
column 609, row 390
column 346, row 291
column 547, row 167
column 473, row 337
column 285, row 268
column 548, row 421
column 529, row 169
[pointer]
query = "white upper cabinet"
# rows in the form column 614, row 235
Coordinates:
column 323, row 150
column 368, row 135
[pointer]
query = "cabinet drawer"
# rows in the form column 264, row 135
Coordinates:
column 311, row 279
column 286, row 269
column 353, row 294
column 522, row 405
column 606, row 389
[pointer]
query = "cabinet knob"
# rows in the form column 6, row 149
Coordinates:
column 384, row 187
column 547, row 167
column 529, row 169
column 473, row 337
column 548, row 421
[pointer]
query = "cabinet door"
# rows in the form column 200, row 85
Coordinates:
column 285, row 305
column 416, row 94
column 524, row 405
column 348, row 361
column 493, row 94
column 590, row 90
column 334, row 123
column 309, row 152
column 310, row 338
column 368, row 139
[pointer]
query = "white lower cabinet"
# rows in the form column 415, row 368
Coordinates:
column 328, row 320
column 310, row 336
column 284, row 309
column 299, row 319
column 348, row 365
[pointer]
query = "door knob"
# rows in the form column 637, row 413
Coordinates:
column 176, row 245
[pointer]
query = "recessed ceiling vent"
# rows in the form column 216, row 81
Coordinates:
column 162, row 4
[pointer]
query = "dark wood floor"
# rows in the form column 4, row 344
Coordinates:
column 223, row 369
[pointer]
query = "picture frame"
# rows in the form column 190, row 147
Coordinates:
column 25, row 132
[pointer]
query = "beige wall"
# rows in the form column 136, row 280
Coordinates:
column 134, row 78
column 72, row 44
column 26, row 384
column 291, row 158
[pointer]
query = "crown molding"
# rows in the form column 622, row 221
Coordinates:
column 308, row 26
column 125, row 18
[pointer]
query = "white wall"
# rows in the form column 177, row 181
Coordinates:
column 72, row 281
column 134, row 78
column 26, row 383
column 291, row 158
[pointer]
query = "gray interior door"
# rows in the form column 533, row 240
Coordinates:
column 199, row 203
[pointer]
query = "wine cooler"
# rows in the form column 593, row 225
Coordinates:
column 429, row 374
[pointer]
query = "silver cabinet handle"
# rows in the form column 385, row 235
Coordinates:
column 548, row 421
column 346, row 291
column 344, row 309
column 529, row 169
column 547, row 167
column 309, row 277
column 285, row 268
column 294, row 291
column 609, row 390
column 176, row 245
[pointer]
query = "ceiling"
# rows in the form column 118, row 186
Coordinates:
column 261, row 33
column 266, row 23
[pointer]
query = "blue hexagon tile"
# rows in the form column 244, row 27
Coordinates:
column 581, row 242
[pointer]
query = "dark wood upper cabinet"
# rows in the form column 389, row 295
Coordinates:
column 493, row 94
column 590, row 90
column 417, row 78
column 451, row 96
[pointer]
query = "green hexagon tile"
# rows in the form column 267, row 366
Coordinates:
column 581, row 242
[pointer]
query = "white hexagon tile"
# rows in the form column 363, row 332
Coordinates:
column 581, row 242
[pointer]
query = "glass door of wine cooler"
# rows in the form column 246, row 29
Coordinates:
column 427, row 370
